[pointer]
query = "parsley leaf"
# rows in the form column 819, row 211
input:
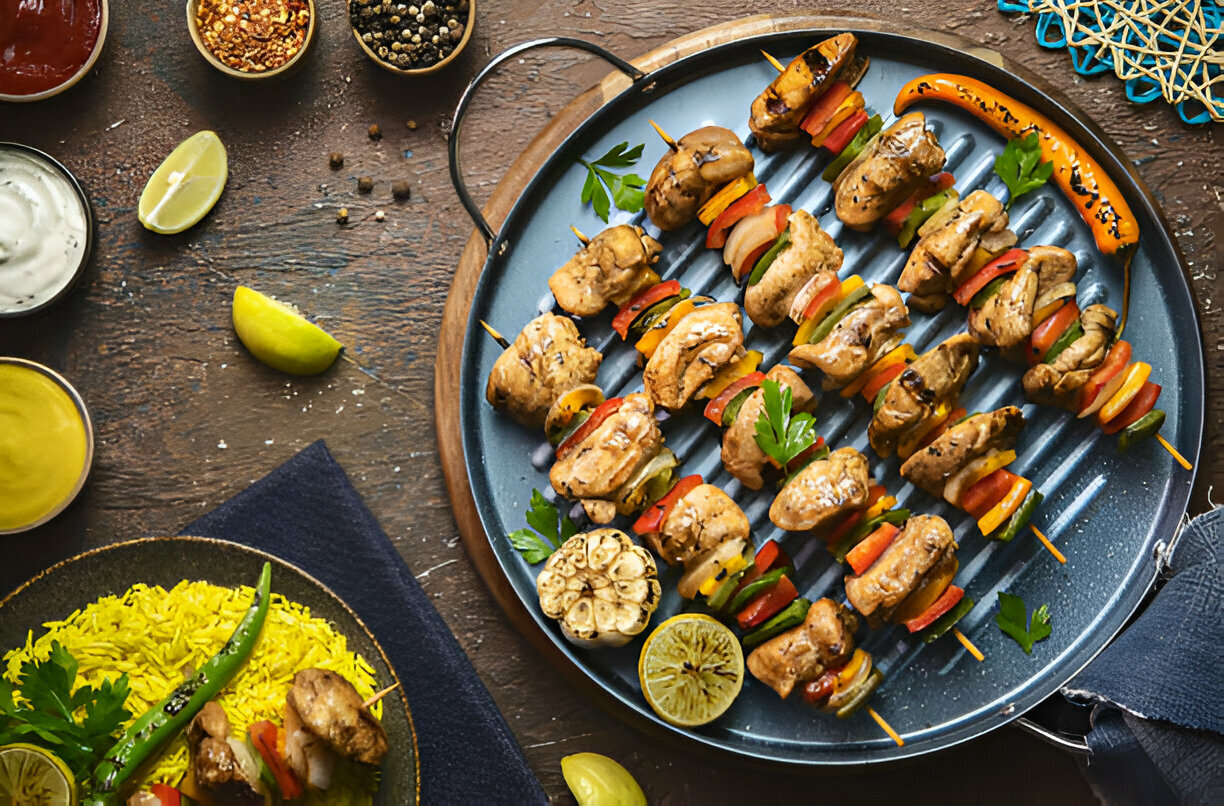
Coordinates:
column 1013, row 620
column 49, row 720
column 1021, row 168
column 781, row 435
column 627, row 191
column 551, row 529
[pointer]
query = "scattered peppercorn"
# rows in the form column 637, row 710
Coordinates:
column 365, row 184
column 379, row 215
column 412, row 125
column 253, row 36
column 335, row 160
column 375, row 132
column 342, row 215
column 401, row 190
column 410, row 36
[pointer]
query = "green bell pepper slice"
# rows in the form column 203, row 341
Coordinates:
column 837, row 314
column 1019, row 518
column 1140, row 429
column 1064, row 341
column 758, row 586
column 870, row 129
column 767, row 259
column 791, row 616
column 947, row 621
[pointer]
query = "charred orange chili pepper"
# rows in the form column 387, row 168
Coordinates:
column 1081, row 178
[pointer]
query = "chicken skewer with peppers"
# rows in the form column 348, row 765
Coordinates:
column 608, row 270
column 548, row 358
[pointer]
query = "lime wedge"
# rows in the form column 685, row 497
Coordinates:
column 30, row 774
column 691, row 669
column 597, row 780
column 186, row 186
column 278, row 335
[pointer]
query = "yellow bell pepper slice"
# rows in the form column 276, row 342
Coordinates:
column 805, row 330
column 1046, row 312
column 980, row 258
column 913, row 438
column 650, row 342
column 854, row 101
column 894, row 356
column 745, row 365
column 848, row 672
column 575, row 399
column 1006, row 508
column 733, row 566
column 879, row 508
column 1136, row 377
column 989, row 465
column 724, row 198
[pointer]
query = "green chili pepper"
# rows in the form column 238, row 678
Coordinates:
column 897, row 517
column 862, row 694
column 1140, row 429
column 947, row 621
column 1064, row 341
column 719, row 598
column 161, row 723
column 791, row 616
column 870, row 129
column 767, row 259
column 989, row 290
column 757, row 586
column 919, row 215
column 737, row 403
column 1019, row 518
column 837, row 314
column 650, row 317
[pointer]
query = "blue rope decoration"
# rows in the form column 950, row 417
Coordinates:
column 1160, row 48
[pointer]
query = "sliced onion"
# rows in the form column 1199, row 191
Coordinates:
column 956, row 486
column 942, row 216
column 819, row 282
column 1064, row 290
column 748, row 234
column 246, row 763
column 663, row 460
column 841, row 698
column 706, row 565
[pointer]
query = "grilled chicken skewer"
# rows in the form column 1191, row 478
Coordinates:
column 693, row 170
column 608, row 270
column 776, row 113
column 548, row 358
column 887, row 172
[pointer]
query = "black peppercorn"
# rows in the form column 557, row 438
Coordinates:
column 401, row 190
column 365, row 184
column 335, row 160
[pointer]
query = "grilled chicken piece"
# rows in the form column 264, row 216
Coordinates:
column 939, row 263
column 937, row 375
column 1006, row 319
column 824, row 640
column 701, row 520
column 858, row 340
column 609, row 456
column 611, row 268
column 213, row 762
column 687, row 176
column 931, row 467
column 1058, row 384
column 311, row 760
column 696, row 348
column 887, row 172
column 920, row 546
column 822, row 491
column 741, row 455
column 777, row 112
column 331, row 709
column 811, row 251
column 548, row 358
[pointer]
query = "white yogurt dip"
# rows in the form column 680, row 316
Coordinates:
column 44, row 230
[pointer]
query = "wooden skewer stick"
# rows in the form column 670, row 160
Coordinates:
column 667, row 138
column 585, row 240
column 777, row 64
column 887, row 728
column 1045, row 541
column 497, row 337
column 1181, row 460
column 969, row 647
column 379, row 695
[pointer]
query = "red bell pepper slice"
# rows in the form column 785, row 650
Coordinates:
column 715, row 408
column 873, row 386
column 1011, row 260
column 781, row 213
column 1116, row 359
column 840, row 137
column 750, row 203
column 263, row 736
column 1143, row 402
column 745, row 268
column 805, row 454
column 822, row 110
column 602, row 412
column 874, row 493
column 815, row 692
column 771, row 556
column 867, row 552
column 166, row 794
column 946, row 601
column 830, row 291
column 1044, row 336
column 652, row 520
column 768, row 604
column 987, row 492
column 630, row 310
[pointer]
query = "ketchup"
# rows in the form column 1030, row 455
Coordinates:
column 43, row 43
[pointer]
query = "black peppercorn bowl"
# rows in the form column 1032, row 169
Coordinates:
column 194, row 29
column 411, row 37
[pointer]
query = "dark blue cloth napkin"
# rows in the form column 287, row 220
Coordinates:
column 1159, row 688
column 307, row 513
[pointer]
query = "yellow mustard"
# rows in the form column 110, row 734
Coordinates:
column 43, row 446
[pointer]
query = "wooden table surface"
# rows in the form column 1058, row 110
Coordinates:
column 185, row 418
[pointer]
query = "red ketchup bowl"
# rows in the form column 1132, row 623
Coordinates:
column 47, row 47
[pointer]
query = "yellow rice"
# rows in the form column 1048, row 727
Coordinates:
column 157, row 637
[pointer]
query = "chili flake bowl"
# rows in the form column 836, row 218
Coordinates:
column 193, row 27
column 468, row 23
column 103, row 26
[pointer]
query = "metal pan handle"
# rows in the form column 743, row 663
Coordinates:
column 506, row 55
column 1077, row 745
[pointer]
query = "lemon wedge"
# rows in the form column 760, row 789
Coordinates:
column 597, row 780
column 691, row 669
column 278, row 335
column 186, row 185
column 30, row 774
